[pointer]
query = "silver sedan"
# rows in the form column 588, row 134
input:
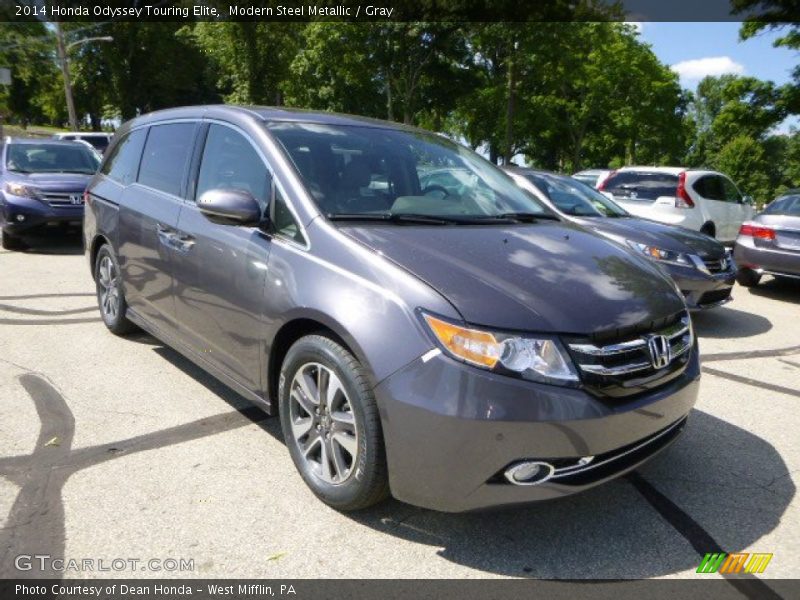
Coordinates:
column 770, row 243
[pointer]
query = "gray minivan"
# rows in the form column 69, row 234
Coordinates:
column 460, row 348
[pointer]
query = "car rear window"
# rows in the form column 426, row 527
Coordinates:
column 788, row 205
column 637, row 185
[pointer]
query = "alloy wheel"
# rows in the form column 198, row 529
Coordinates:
column 108, row 280
column 322, row 423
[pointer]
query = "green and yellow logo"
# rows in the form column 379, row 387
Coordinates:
column 735, row 562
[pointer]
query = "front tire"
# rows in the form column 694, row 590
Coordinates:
column 331, row 424
column 10, row 242
column 747, row 277
column 110, row 297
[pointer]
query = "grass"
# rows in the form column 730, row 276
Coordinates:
column 31, row 131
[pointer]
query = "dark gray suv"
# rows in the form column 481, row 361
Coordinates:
column 458, row 347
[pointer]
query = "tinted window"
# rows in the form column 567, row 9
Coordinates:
column 283, row 221
column 731, row 194
column 574, row 197
column 231, row 162
column 633, row 185
column 51, row 158
column 123, row 162
column 710, row 186
column 98, row 141
column 166, row 154
column 355, row 170
column 789, row 205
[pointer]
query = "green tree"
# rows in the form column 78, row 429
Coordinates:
column 250, row 59
column 27, row 49
column 408, row 72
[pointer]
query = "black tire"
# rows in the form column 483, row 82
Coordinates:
column 366, row 482
column 709, row 230
column 115, row 320
column 747, row 277
column 10, row 242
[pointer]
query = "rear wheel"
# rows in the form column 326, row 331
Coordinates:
column 110, row 296
column 331, row 424
column 747, row 277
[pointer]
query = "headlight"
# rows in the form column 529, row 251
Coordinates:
column 536, row 358
column 18, row 189
column 661, row 255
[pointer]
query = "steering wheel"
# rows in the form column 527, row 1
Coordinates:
column 435, row 188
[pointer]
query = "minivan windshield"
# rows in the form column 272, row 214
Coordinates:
column 370, row 173
column 574, row 197
column 51, row 158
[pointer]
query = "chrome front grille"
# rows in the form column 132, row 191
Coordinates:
column 63, row 199
column 717, row 265
column 630, row 366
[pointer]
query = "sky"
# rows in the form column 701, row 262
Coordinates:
column 695, row 50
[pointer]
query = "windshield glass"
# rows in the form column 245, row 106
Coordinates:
column 788, row 205
column 574, row 197
column 51, row 158
column 363, row 172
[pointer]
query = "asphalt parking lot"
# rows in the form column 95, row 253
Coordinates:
column 120, row 448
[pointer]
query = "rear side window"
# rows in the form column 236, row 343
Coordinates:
column 731, row 193
column 123, row 162
column 166, row 154
column 710, row 186
column 633, row 185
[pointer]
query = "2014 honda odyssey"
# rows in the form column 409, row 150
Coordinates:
column 458, row 347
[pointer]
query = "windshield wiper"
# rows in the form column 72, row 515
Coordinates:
column 392, row 218
column 524, row 217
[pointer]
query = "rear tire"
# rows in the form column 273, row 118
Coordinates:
column 110, row 296
column 331, row 424
column 747, row 277
column 709, row 230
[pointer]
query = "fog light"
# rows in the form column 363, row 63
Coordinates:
column 20, row 218
column 529, row 473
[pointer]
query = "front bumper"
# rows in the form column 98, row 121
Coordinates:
column 36, row 213
column 451, row 430
column 703, row 290
column 773, row 261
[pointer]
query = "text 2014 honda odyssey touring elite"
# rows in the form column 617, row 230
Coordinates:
column 460, row 347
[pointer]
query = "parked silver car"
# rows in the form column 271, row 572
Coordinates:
column 770, row 243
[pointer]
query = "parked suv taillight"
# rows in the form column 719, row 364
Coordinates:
column 602, row 185
column 757, row 231
column 682, row 197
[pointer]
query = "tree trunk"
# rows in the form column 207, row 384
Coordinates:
column 512, row 93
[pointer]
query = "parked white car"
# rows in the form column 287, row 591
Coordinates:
column 592, row 177
column 97, row 139
column 705, row 201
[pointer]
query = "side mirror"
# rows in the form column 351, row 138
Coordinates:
column 748, row 200
column 230, row 207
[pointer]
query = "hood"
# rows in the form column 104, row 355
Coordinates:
column 52, row 182
column 547, row 277
column 668, row 237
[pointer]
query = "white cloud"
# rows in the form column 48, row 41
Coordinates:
column 696, row 69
